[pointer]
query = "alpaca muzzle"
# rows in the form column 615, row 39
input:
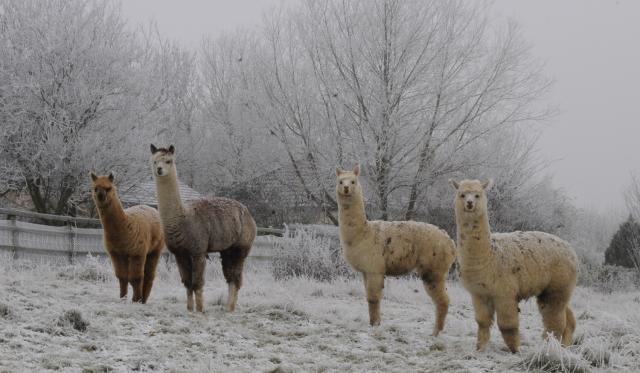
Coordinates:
column 159, row 171
column 101, row 195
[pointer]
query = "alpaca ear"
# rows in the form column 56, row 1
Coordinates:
column 111, row 177
column 454, row 184
column 356, row 169
column 487, row 184
column 153, row 149
column 172, row 149
column 94, row 177
column 339, row 170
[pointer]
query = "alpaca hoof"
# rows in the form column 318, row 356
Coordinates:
column 435, row 333
column 480, row 348
column 513, row 350
column 374, row 322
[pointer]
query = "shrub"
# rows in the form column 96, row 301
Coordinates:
column 624, row 249
column 306, row 253
column 606, row 278
column 5, row 311
column 95, row 269
column 74, row 319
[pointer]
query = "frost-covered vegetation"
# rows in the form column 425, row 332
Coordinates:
column 307, row 252
column 69, row 318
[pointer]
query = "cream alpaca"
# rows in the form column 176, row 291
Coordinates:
column 379, row 248
column 501, row 269
column 194, row 229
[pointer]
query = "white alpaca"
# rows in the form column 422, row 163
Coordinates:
column 379, row 248
column 501, row 269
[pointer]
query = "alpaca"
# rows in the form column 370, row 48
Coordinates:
column 379, row 248
column 194, row 229
column 132, row 237
column 501, row 269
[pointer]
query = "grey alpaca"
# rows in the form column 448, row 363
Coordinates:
column 199, row 227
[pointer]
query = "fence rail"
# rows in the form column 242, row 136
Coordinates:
column 20, row 237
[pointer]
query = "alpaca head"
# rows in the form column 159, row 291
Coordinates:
column 103, row 189
column 471, row 196
column 162, row 160
column 347, row 183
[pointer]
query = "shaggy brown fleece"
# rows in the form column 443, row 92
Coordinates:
column 501, row 269
column 379, row 248
column 132, row 237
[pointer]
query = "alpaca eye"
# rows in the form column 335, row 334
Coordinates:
column 462, row 196
column 353, row 182
column 168, row 162
column 107, row 190
column 340, row 182
column 477, row 196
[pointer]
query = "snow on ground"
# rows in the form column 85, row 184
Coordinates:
column 293, row 325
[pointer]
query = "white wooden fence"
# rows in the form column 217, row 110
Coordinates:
column 22, row 238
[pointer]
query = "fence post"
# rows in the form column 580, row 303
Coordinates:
column 14, row 236
column 71, row 245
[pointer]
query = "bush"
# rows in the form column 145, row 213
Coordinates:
column 5, row 311
column 606, row 278
column 306, row 253
column 624, row 249
column 74, row 319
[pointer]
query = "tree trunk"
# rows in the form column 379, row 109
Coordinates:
column 36, row 195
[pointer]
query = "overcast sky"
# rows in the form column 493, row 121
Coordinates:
column 591, row 48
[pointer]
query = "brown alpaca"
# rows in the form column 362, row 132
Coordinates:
column 207, row 225
column 379, row 248
column 501, row 269
column 133, row 238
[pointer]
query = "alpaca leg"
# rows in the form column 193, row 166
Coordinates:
column 136, row 276
column 232, row 265
column 374, row 283
column 121, row 267
column 184, row 266
column 553, row 308
column 508, row 322
column 567, row 336
column 435, row 287
column 149, row 273
column 197, row 279
column 484, row 311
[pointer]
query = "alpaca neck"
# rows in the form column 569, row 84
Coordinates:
column 474, row 240
column 351, row 216
column 113, row 218
column 169, row 201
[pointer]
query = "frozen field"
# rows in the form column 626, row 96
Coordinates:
column 294, row 325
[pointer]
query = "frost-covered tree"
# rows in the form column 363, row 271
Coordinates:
column 405, row 87
column 624, row 249
column 65, row 73
column 79, row 91
column 229, row 75
column 632, row 197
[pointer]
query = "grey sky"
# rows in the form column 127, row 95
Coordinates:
column 591, row 48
